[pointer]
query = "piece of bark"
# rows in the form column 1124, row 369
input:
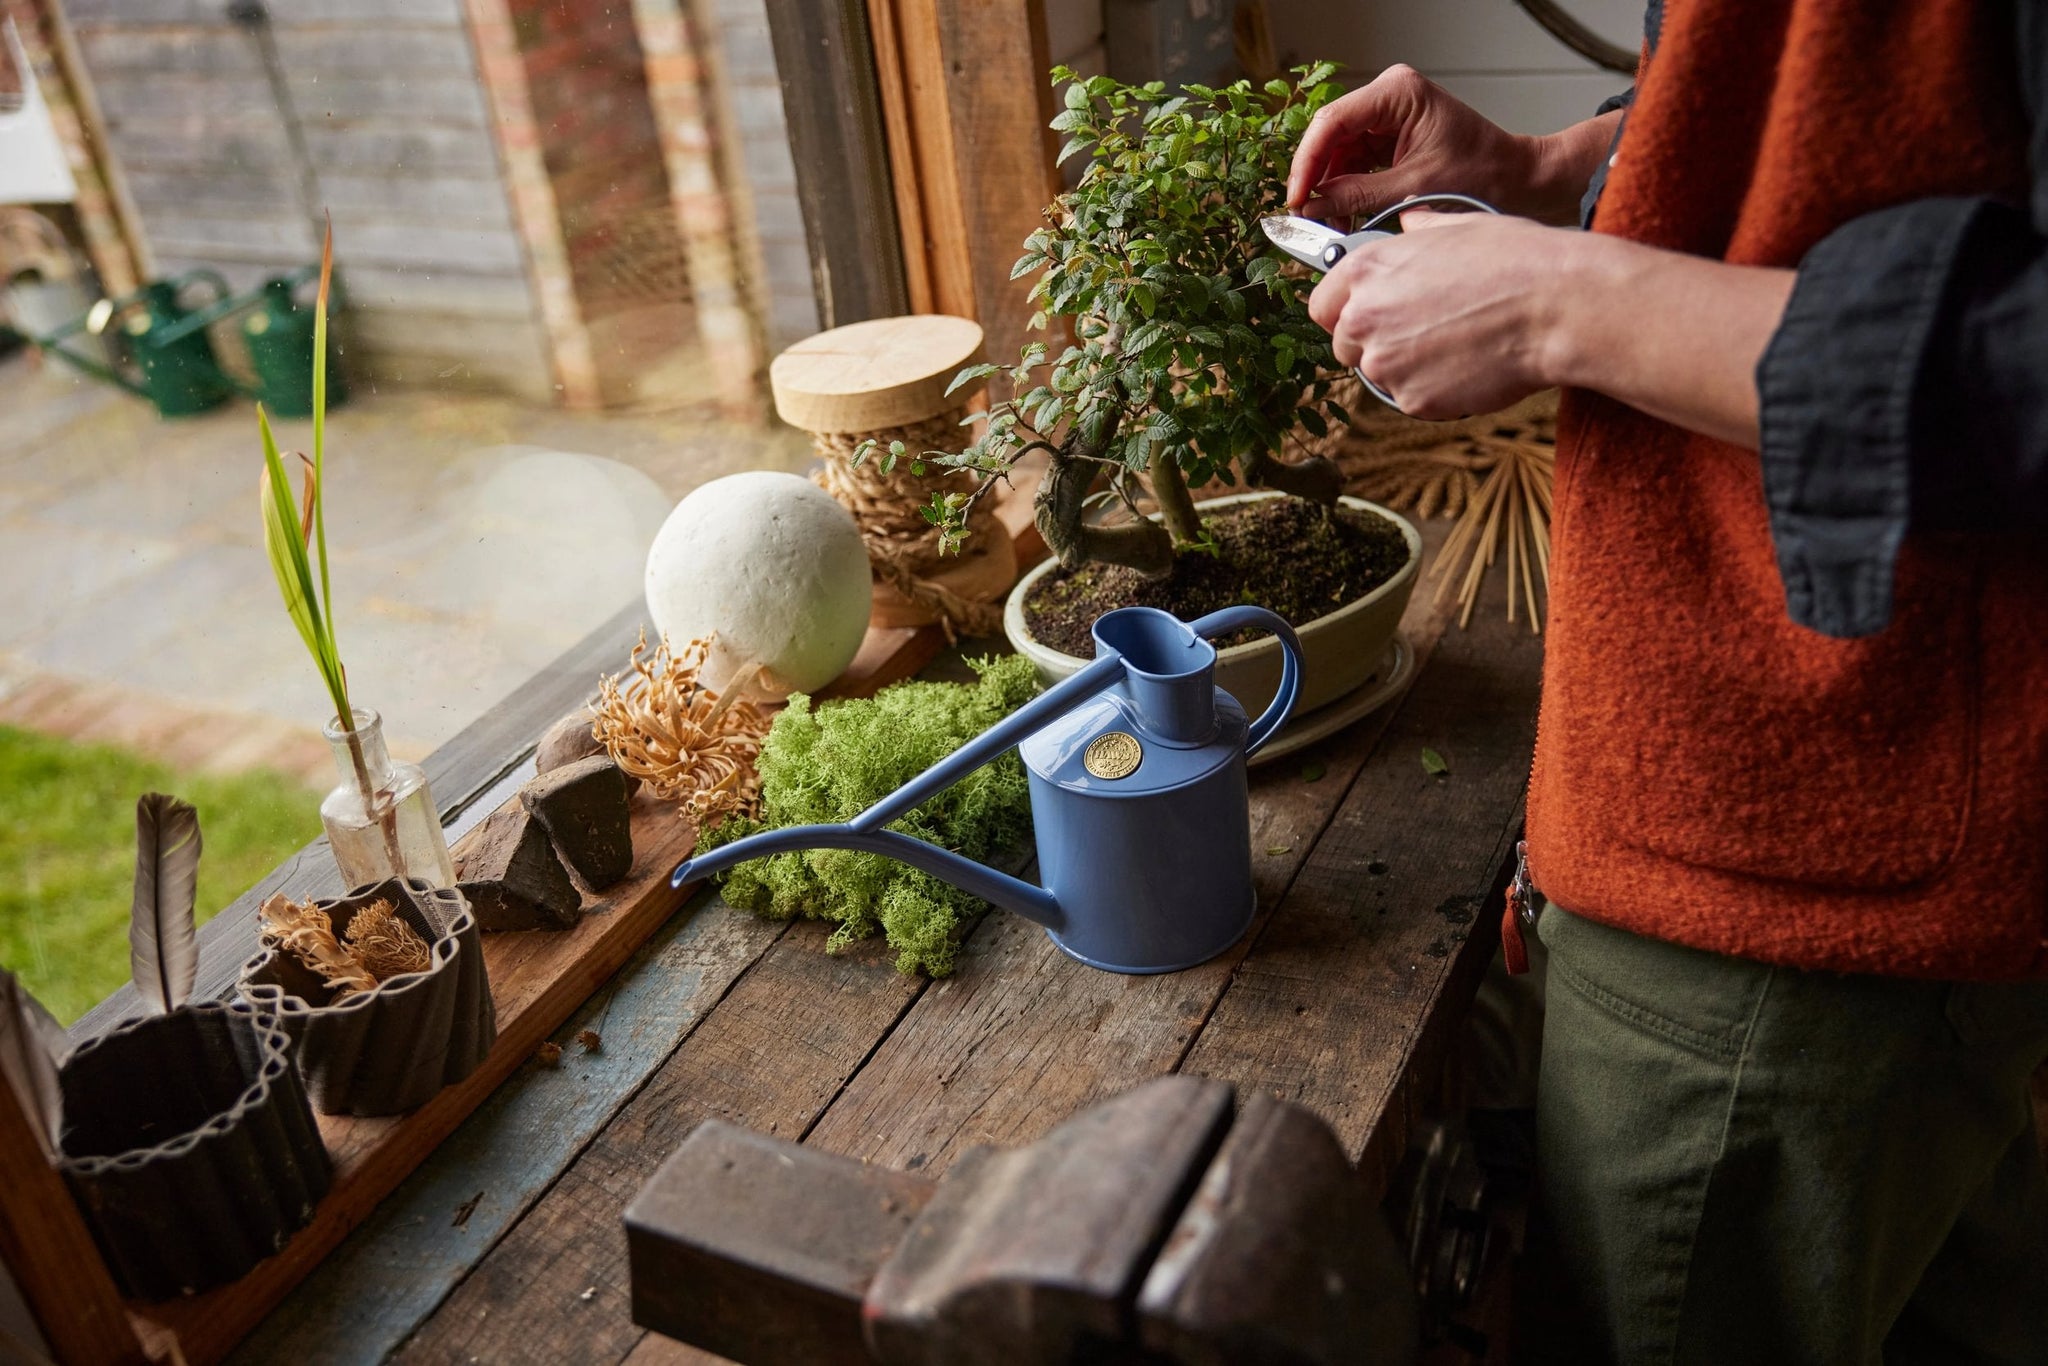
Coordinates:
column 568, row 741
column 583, row 807
column 513, row 879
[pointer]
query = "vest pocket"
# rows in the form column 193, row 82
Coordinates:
column 1787, row 755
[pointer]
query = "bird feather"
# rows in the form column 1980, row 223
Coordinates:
column 163, row 950
column 32, row 1046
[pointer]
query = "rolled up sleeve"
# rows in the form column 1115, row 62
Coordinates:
column 1837, row 389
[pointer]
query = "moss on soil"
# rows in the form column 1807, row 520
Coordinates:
column 1291, row 556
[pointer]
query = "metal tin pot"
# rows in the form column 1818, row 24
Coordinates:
column 390, row 1049
column 190, row 1146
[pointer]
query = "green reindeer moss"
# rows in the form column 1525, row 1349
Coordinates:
column 828, row 763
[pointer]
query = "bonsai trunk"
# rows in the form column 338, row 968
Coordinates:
column 1143, row 545
column 1176, row 507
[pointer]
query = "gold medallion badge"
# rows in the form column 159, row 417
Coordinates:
column 1113, row 754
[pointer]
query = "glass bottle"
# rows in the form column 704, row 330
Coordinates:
column 381, row 818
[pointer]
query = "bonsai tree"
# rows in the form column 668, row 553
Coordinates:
column 1193, row 355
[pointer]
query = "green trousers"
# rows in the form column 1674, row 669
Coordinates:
column 1745, row 1164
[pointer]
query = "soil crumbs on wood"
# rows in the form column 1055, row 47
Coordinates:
column 1294, row 557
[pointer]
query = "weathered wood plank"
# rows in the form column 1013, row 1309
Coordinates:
column 938, row 263
column 418, row 149
column 192, row 100
column 406, row 1257
column 1022, row 1036
column 378, row 194
column 439, row 13
column 453, row 99
column 770, row 1057
column 376, row 48
column 996, row 69
column 118, row 54
column 1350, row 993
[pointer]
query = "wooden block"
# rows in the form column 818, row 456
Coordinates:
column 1032, row 1255
column 1282, row 1255
column 888, row 654
column 867, row 376
column 761, row 1250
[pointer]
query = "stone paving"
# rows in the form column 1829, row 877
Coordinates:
column 471, row 540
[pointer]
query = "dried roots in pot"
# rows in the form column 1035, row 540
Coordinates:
column 684, row 740
column 379, row 945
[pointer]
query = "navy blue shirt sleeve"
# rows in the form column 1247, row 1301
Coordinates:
column 1907, row 386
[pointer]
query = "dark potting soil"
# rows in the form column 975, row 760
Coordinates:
column 1291, row 556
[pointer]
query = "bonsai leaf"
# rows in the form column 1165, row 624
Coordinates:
column 32, row 1046
column 163, row 951
column 1433, row 763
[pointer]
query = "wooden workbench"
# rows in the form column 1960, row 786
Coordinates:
column 1379, row 892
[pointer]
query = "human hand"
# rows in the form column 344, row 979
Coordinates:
column 1458, row 314
column 1426, row 138
column 1428, row 141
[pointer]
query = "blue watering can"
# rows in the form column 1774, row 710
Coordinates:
column 1137, row 768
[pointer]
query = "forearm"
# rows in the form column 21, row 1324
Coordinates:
column 1676, row 336
column 1561, row 166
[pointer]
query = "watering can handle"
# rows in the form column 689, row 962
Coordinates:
column 1282, row 706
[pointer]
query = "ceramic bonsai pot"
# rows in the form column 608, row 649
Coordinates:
column 1341, row 650
column 387, row 1050
column 190, row 1146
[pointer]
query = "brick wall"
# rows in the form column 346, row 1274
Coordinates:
column 587, row 84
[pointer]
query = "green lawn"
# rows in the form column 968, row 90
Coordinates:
column 67, row 854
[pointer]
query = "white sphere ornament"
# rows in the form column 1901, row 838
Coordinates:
column 773, row 570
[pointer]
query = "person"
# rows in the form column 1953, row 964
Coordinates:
column 1789, row 803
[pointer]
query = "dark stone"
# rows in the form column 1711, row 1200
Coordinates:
column 583, row 807
column 568, row 741
column 513, row 879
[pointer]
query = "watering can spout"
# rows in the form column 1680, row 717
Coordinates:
column 1012, row 894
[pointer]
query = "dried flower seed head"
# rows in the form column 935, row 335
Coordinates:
column 302, row 929
column 685, row 741
column 590, row 1040
column 549, row 1054
column 384, row 944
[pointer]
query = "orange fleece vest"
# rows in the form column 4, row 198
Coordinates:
column 1706, row 771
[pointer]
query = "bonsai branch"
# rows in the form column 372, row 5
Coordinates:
column 1316, row 478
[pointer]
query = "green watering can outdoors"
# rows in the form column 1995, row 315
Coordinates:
column 174, row 365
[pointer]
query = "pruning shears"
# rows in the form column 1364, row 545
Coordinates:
column 1319, row 246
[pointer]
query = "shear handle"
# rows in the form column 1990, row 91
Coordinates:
column 1371, row 229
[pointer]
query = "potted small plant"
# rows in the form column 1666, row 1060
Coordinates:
column 381, row 820
column 185, row 1134
column 1193, row 361
column 384, row 991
